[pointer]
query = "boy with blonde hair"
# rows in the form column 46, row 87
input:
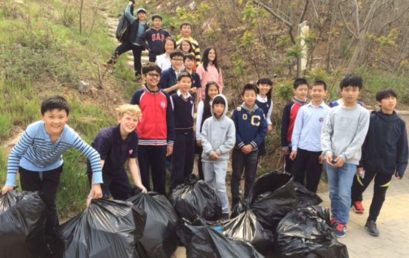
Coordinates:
column 116, row 145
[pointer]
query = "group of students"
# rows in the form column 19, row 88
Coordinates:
column 158, row 129
column 171, row 55
column 355, row 146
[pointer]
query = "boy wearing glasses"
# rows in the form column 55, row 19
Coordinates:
column 155, row 130
column 168, row 80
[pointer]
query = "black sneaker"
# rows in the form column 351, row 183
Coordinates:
column 372, row 228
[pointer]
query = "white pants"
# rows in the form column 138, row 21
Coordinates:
column 214, row 173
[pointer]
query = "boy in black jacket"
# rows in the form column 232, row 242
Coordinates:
column 384, row 154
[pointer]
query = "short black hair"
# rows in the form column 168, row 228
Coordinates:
column 265, row 81
column 156, row 16
column 351, row 80
column 249, row 87
column 184, row 74
column 189, row 56
column 218, row 100
column 185, row 24
column 150, row 67
column 55, row 102
column 176, row 52
column 300, row 81
column 387, row 93
column 320, row 82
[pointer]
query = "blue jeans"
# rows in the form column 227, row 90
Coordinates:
column 340, row 183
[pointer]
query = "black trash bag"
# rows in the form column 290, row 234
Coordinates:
column 305, row 197
column 159, row 237
column 195, row 199
column 306, row 232
column 201, row 241
column 273, row 196
column 245, row 227
column 105, row 229
column 22, row 224
column 122, row 29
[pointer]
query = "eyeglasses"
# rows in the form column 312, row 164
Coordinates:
column 177, row 59
column 153, row 74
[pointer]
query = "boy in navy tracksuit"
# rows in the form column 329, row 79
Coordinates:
column 251, row 128
column 155, row 37
column 184, row 148
column 290, row 111
column 384, row 154
column 155, row 130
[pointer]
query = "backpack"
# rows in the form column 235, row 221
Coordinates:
column 122, row 30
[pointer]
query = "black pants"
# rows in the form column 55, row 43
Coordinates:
column 248, row 163
column 382, row 182
column 152, row 159
column 288, row 166
column 116, row 185
column 46, row 183
column 182, row 157
column 307, row 169
column 137, row 52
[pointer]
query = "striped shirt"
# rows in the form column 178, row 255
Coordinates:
column 35, row 152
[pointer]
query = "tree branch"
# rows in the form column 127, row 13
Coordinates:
column 273, row 12
column 304, row 11
column 345, row 21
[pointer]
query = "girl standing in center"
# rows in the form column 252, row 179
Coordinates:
column 204, row 112
column 209, row 70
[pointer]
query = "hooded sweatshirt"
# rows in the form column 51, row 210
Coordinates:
column 218, row 135
column 385, row 149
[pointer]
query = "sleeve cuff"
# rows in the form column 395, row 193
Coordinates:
column 11, row 180
column 254, row 144
column 240, row 145
column 170, row 142
column 97, row 178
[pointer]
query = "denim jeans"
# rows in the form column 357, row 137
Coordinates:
column 215, row 175
column 340, row 184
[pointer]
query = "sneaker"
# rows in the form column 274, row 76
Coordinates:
column 340, row 230
column 333, row 222
column 358, row 207
column 372, row 228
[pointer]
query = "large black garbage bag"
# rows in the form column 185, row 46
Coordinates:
column 306, row 232
column 195, row 199
column 305, row 197
column 159, row 237
column 22, row 219
column 105, row 229
column 201, row 241
column 245, row 227
column 272, row 198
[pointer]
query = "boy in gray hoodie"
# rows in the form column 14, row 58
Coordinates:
column 218, row 137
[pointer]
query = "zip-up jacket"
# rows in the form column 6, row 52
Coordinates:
column 287, row 124
column 385, row 149
column 156, row 127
